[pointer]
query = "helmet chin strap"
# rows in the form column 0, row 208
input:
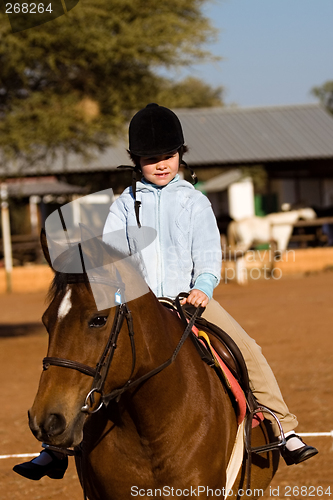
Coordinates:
column 193, row 174
column 182, row 162
column 137, row 203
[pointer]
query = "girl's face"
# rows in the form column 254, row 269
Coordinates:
column 160, row 170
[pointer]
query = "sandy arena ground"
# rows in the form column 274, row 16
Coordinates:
column 290, row 318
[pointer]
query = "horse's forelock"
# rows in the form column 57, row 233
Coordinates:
column 60, row 282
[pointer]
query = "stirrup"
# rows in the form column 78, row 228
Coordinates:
column 259, row 449
column 267, row 447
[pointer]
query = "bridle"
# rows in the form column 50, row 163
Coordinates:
column 100, row 372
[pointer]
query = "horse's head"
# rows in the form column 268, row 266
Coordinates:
column 78, row 332
column 307, row 213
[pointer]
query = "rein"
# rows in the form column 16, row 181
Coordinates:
column 133, row 383
column 100, row 373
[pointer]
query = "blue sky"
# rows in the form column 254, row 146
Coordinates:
column 274, row 51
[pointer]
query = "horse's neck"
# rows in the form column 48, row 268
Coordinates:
column 157, row 330
column 161, row 331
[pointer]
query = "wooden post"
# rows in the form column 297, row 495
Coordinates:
column 7, row 245
column 33, row 205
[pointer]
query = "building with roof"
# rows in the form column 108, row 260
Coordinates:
column 31, row 200
column 294, row 144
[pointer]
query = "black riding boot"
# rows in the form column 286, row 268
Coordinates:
column 297, row 452
column 48, row 463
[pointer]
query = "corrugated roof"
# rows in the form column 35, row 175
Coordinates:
column 98, row 161
column 220, row 136
column 227, row 136
column 22, row 188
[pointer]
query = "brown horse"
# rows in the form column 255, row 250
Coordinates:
column 175, row 429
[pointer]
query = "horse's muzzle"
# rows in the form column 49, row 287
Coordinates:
column 53, row 425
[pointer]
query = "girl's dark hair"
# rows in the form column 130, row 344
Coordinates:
column 136, row 159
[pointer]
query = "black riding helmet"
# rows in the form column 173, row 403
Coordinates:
column 153, row 131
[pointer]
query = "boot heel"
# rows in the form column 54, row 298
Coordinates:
column 56, row 474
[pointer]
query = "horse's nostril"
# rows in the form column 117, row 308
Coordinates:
column 54, row 425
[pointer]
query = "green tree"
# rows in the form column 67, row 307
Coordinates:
column 189, row 93
column 325, row 94
column 71, row 83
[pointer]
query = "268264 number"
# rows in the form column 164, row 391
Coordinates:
column 26, row 8
column 307, row 491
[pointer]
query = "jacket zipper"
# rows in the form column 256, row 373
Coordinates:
column 159, row 255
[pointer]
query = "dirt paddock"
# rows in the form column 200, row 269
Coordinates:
column 290, row 318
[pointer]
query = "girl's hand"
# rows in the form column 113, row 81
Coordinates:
column 196, row 298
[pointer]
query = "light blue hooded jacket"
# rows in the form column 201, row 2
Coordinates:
column 186, row 253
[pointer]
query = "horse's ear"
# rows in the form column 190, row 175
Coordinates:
column 93, row 248
column 86, row 232
column 45, row 248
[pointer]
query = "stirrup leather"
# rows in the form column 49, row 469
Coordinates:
column 64, row 451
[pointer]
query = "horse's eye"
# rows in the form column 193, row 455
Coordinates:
column 98, row 321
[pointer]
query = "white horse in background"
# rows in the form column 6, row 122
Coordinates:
column 275, row 227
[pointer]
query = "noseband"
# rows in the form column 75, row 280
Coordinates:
column 100, row 373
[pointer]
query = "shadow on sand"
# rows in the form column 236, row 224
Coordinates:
column 20, row 329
